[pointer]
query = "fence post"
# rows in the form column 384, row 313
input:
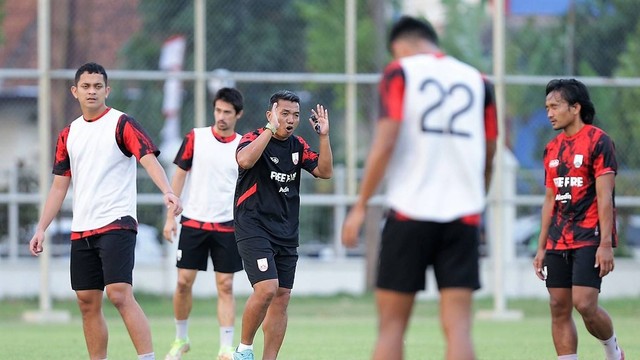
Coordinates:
column 13, row 213
column 339, row 210
column 372, row 243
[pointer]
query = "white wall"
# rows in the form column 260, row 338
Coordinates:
column 314, row 277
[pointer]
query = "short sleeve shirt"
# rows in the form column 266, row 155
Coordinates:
column 132, row 140
column 267, row 198
column 572, row 165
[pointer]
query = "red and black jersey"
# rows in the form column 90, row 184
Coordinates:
column 572, row 165
column 267, row 198
column 130, row 137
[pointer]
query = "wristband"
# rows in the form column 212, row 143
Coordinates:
column 270, row 127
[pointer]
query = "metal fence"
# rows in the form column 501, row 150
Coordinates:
column 329, row 52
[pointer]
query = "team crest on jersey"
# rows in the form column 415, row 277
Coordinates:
column 294, row 158
column 554, row 163
column 274, row 159
column 263, row 264
column 577, row 160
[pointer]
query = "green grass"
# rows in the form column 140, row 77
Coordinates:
column 336, row 327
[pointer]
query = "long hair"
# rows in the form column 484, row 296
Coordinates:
column 574, row 92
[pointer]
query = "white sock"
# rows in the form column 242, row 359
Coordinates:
column 242, row 347
column 149, row 356
column 182, row 329
column 611, row 349
column 568, row 357
column 226, row 336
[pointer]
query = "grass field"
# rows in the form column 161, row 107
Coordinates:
column 336, row 327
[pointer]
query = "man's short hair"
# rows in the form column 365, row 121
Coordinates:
column 91, row 68
column 232, row 96
column 284, row 95
column 410, row 27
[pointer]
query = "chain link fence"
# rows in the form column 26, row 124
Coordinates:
column 261, row 46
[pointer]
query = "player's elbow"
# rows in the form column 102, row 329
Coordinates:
column 244, row 161
column 324, row 173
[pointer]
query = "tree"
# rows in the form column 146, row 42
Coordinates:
column 243, row 35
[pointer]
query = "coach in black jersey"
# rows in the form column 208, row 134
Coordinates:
column 267, row 205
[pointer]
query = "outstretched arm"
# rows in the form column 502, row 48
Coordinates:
column 381, row 149
column 159, row 177
column 177, row 184
column 52, row 205
column 604, row 194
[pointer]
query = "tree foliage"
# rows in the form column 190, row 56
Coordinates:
column 242, row 35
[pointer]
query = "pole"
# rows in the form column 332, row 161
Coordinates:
column 45, row 314
column 498, row 237
column 351, row 95
column 44, row 134
column 199, row 62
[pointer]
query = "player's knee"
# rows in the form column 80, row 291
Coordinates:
column 266, row 290
column 560, row 307
column 119, row 296
column 225, row 288
column 184, row 285
column 585, row 307
column 87, row 305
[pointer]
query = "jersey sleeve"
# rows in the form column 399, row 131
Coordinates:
column 309, row 157
column 490, row 113
column 133, row 139
column 184, row 157
column 391, row 91
column 248, row 138
column 61, row 162
column 604, row 158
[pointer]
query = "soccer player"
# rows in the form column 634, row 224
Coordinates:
column 578, row 232
column 435, row 141
column 98, row 152
column 267, row 206
column 206, row 161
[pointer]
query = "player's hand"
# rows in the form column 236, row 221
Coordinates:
column 272, row 116
column 604, row 260
column 170, row 229
column 352, row 224
column 173, row 203
column 320, row 120
column 538, row 265
column 35, row 245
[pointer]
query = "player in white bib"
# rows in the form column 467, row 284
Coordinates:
column 98, row 153
column 207, row 172
column 435, row 141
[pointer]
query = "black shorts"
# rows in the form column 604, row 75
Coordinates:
column 197, row 245
column 408, row 247
column 103, row 259
column 265, row 260
column 572, row 268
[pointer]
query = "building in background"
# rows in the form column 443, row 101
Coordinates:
column 111, row 24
